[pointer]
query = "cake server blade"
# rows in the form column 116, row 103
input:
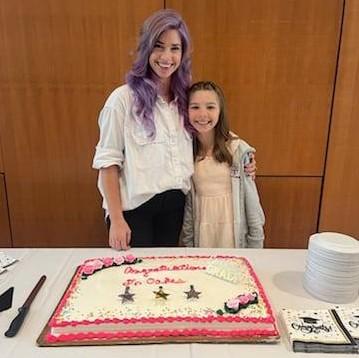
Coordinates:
column 6, row 299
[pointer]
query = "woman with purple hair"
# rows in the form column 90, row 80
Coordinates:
column 144, row 154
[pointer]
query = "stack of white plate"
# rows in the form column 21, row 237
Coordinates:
column 332, row 270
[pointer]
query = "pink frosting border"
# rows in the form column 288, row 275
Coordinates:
column 158, row 333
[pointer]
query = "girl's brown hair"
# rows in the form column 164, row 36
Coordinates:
column 222, row 136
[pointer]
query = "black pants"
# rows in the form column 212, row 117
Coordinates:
column 157, row 222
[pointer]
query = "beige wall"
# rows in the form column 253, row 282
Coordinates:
column 276, row 61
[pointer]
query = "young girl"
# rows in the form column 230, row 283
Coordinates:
column 144, row 154
column 223, row 208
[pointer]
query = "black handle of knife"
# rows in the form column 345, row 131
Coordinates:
column 17, row 322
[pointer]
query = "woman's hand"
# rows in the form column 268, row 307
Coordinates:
column 120, row 235
column 251, row 168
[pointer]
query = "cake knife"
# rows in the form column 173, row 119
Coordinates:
column 24, row 309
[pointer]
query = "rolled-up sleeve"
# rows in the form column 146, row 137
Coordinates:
column 110, row 148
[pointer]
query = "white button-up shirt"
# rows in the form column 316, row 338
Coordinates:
column 147, row 166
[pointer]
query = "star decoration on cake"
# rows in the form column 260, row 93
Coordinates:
column 160, row 293
column 127, row 296
column 192, row 293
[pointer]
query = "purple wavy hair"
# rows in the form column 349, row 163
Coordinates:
column 141, row 79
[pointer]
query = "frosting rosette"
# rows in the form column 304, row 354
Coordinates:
column 88, row 269
column 108, row 261
column 233, row 303
column 118, row 260
column 130, row 259
column 97, row 264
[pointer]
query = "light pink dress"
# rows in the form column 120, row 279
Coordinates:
column 214, row 206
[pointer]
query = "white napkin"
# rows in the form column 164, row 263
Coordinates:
column 5, row 261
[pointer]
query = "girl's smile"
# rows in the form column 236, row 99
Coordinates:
column 204, row 110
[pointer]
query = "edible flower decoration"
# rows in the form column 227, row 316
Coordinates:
column 234, row 305
column 119, row 260
column 130, row 259
column 92, row 266
column 107, row 261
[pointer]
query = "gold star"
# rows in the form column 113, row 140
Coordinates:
column 160, row 293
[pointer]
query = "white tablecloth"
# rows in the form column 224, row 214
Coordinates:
column 280, row 272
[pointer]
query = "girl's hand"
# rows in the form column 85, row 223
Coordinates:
column 120, row 235
column 251, row 168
